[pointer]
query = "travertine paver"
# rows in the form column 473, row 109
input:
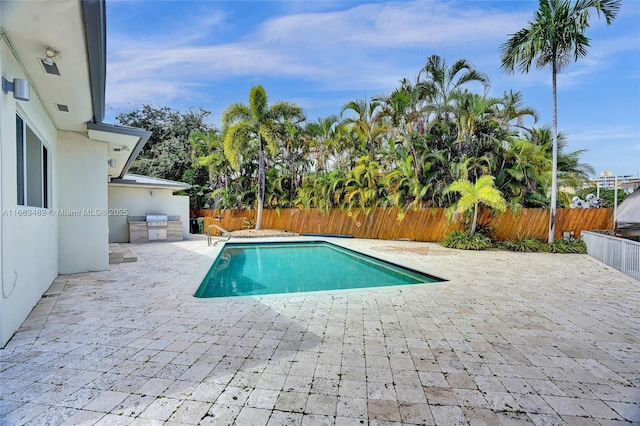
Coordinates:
column 509, row 339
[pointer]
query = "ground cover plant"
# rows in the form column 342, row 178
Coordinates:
column 462, row 240
column 527, row 245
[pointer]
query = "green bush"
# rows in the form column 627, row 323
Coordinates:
column 534, row 246
column 527, row 245
column 461, row 240
column 563, row 246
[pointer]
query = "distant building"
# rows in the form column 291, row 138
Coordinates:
column 607, row 180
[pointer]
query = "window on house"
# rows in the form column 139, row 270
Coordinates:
column 32, row 166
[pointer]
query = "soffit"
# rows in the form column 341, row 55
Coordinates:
column 31, row 26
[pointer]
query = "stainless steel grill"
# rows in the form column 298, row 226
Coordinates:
column 157, row 220
column 157, row 226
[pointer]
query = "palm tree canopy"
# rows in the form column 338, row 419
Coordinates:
column 556, row 34
column 438, row 81
column 255, row 123
column 482, row 191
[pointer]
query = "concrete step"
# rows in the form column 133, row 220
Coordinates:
column 120, row 254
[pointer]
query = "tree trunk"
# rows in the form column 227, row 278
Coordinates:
column 474, row 225
column 261, row 185
column 416, row 164
column 554, row 160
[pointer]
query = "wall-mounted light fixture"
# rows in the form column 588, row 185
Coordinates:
column 112, row 162
column 49, row 61
column 51, row 55
column 19, row 87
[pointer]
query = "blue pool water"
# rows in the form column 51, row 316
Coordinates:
column 272, row 268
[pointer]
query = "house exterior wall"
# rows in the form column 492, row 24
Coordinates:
column 83, row 221
column 28, row 235
column 139, row 201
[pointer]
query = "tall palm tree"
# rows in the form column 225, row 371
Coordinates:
column 255, row 127
column 556, row 34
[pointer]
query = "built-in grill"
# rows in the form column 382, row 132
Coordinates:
column 157, row 226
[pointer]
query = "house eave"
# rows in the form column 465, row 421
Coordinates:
column 113, row 134
column 96, row 32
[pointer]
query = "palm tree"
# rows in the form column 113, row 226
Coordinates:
column 438, row 83
column 363, row 187
column 323, row 190
column 470, row 110
column 524, row 173
column 472, row 195
column 322, row 142
column 207, row 151
column 255, row 127
column 366, row 124
column 571, row 172
column 556, row 34
column 404, row 113
column 295, row 160
column 512, row 109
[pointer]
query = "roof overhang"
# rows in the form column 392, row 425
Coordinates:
column 148, row 182
column 77, row 29
column 95, row 24
column 29, row 28
column 125, row 143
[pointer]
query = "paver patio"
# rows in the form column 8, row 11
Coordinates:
column 510, row 338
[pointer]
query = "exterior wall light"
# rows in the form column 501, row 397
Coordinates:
column 112, row 162
column 51, row 56
column 19, row 87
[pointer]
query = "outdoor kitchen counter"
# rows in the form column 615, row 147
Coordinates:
column 139, row 231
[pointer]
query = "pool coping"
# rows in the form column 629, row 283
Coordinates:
column 187, row 292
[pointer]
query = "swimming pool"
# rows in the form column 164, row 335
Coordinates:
column 244, row 269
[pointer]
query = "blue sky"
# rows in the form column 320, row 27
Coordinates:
column 322, row 54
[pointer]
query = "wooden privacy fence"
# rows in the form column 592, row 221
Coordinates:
column 421, row 225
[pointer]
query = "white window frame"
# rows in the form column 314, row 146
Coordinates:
column 38, row 196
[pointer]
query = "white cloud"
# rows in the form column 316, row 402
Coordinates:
column 358, row 48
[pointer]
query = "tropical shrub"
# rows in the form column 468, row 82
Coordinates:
column 534, row 246
column 463, row 241
column 472, row 194
column 527, row 245
column 564, row 246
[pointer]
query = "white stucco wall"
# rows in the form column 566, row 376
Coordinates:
column 83, row 221
column 28, row 235
column 139, row 202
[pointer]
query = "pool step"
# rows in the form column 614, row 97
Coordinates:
column 120, row 254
